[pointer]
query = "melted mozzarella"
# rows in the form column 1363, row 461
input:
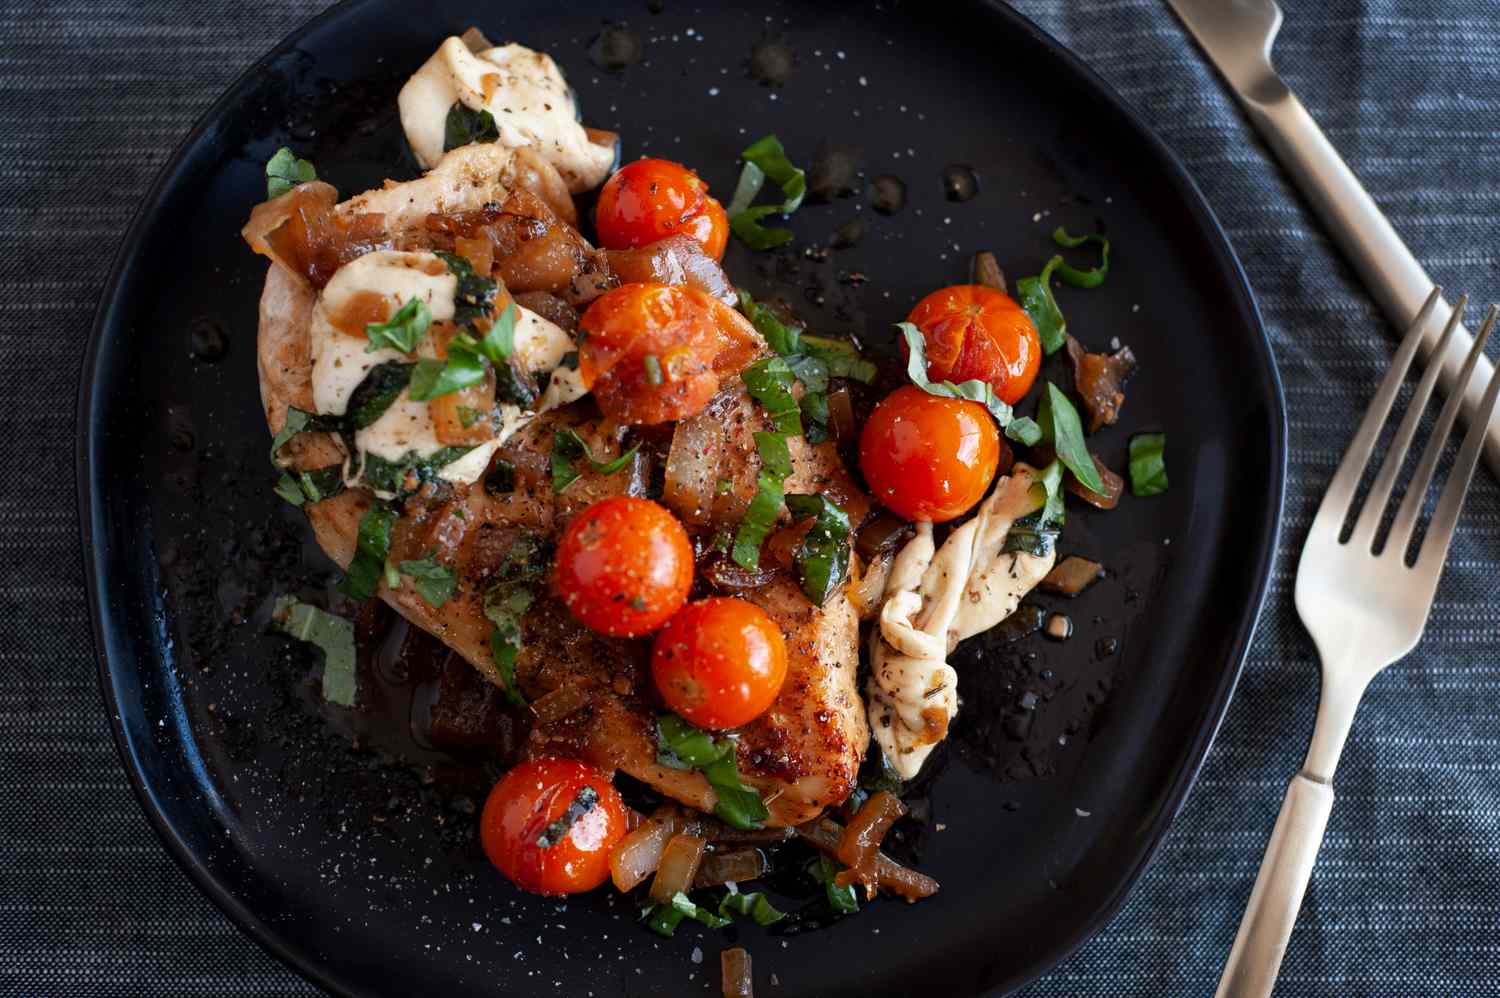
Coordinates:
column 935, row 598
column 524, row 91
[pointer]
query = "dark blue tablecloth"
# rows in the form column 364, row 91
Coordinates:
column 1406, row 899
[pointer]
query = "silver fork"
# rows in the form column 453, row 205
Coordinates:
column 1365, row 603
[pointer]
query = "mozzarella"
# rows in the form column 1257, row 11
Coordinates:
column 524, row 91
column 934, row 599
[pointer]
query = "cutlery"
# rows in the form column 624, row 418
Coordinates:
column 1237, row 36
column 1364, row 596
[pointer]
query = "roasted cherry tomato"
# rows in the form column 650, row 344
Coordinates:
column 651, row 199
column 719, row 663
column 624, row 566
column 551, row 824
column 652, row 353
column 926, row 457
column 975, row 332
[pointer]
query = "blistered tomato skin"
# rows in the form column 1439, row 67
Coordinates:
column 527, row 834
column 719, row 663
column 977, row 333
column 623, row 567
column 651, row 199
column 926, row 457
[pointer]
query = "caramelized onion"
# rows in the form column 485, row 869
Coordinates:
column 841, row 414
column 565, row 701
column 883, row 534
column 1072, row 576
column 678, row 867
column 867, row 584
column 638, row 854
column 1114, row 485
column 737, row 865
column 860, row 843
column 723, row 574
column 734, row 965
column 1100, row 380
column 826, row 834
column 673, row 260
column 987, row 271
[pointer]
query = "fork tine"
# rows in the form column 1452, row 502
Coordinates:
column 1345, row 481
column 1440, row 533
column 1416, row 493
column 1380, row 492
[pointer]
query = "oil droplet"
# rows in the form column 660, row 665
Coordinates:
column 208, row 341
column 887, row 194
column 615, row 49
column 960, row 182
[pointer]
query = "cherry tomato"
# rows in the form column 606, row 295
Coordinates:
column 652, row 353
column 651, row 199
column 929, row 458
column 547, row 801
column 977, row 332
column 719, row 663
column 624, row 566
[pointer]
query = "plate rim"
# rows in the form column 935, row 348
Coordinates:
column 92, row 528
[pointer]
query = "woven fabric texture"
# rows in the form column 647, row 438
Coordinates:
column 1406, row 898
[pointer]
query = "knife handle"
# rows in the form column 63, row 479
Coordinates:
column 1386, row 266
column 1274, row 901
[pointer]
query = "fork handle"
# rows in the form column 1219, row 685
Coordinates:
column 1261, row 942
column 1388, row 269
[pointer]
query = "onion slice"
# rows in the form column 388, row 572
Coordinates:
column 902, row 881
column 860, row 843
column 679, row 865
column 734, row 964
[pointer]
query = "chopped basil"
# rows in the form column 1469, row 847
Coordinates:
column 1035, row 294
column 585, row 801
column 1036, row 532
column 475, row 296
column 843, row 900
column 505, row 602
column 297, row 421
column 402, row 330
column 285, row 171
column 663, row 919
column 376, row 392
column 770, row 383
column 765, row 159
column 1082, row 278
column 499, row 342
column 876, row 773
column 465, row 125
column 311, row 486
column 760, row 517
column 1062, row 428
column 679, row 745
column 334, row 635
column 371, row 547
column 780, row 337
column 1148, row 464
column 842, row 360
column 501, row 479
column 822, row 559
column 568, row 447
column 433, row 581
column 972, row 391
column 814, row 409
column 464, row 368
column 760, row 910
column 383, row 475
column 1024, row 430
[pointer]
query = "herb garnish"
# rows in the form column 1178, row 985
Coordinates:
column 822, row 559
column 505, row 602
column 402, row 330
column 682, row 746
column 334, row 635
column 843, row 900
column 372, row 546
column 404, row 475
column 1148, row 464
column 285, row 171
column 760, row 910
column 765, row 158
column 972, row 391
column 568, row 447
column 1035, row 293
column 760, row 517
column 1082, row 278
column 311, row 486
column 769, row 382
column 433, row 581
column 465, row 125
column 663, row 919
column 585, row 801
column 473, row 301
column 1036, row 533
column 1061, row 427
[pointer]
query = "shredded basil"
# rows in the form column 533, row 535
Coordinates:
column 843, row 900
column 311, row 486
column 1036, row 533
column 568, row 447
column 972, row 391
column 475, row 296
column 1148, row 464
column 505, row 602
column 876, row 773
column 765, row 159
column 760, row 910
column 285, row 171
column 663, row 919
column 1082, row 278
column 780, row 337
column 1024, row 430
column 376, row 392
column 1061, row 427
column 769, row 382
column 1035, row 294
column 464, row 368
column 585, row 801
column 842, row 360
column 372, row 546
column 297, row 421
column 433, row 581
column 679, row 745
column 822, row 559
column 402, row 330
column 401, row 477
column 760, row 517
column 465, row 125
column 334, row 635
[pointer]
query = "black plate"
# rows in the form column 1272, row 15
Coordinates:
column 364, row 877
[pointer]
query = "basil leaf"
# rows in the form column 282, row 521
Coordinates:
column 298, row 421
column 375, row 393
column 500, row 341
column 767, row 154
column 372, row 545
column 780, row 337
column 584, row 801
column 475, row 295
column 567, row 447
column 663, row 919
column 1035, row 295
column 972, row 391
column 760, row 517
column 433, row 581
column 843, row 900
column 1024, row 430
column 1148, row 464
column 840, row 357
column 822, row 559
column 285, row 171
column 1062, row 428
column 1029, row 535
column 464, row 368
column 311, row 486
column 1048, row 493
column 769, row 382
column 506, row 602
column 465, row 125
column 402, row 330
column 755, row 905
column 334, row 635
column 752, row 179
column 814, row 407
column 384, row 475
column 1082, row 278
column 765, row 159
column 679, row 745
column 287, row 488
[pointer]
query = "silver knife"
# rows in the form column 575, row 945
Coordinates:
column 1237, row 35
